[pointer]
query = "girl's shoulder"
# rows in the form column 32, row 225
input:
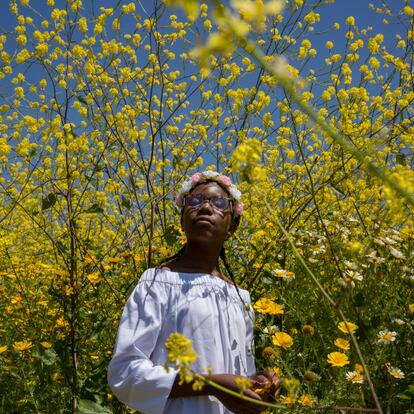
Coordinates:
column 163, row 277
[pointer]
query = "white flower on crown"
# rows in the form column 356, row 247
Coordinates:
column 234, row 192
column 186, row 186
column 210, row 174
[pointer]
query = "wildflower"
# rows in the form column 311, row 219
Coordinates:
column 282, row 339
column 46, row 344
column 411, row 307
column 307, row 400
column 3, row 348
column 349, row 277
column 270, row 330
column 359, row 368
column 396, row 253
column 113, row 259
column 243, row 383
column 21, row 346
column 311, row 376
column 386, row 337
column 269, row 353
column 94, row 278
column 180, row 350
column 284, row 274
column 308, row 330
column 347, row 327
column 291, row 385
column 374, row 258
column 288, row 399
column 354, row 376
column 268, row 306
column 338, row 359
column 395, row 372
column 350, row 20
column 342, row 343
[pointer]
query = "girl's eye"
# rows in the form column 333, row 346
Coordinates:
column 220, row 203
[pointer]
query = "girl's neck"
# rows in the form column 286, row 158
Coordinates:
column 198, row 258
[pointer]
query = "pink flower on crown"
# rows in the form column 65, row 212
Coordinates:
column 238, row 208
column 225, row 180
column 195, row 179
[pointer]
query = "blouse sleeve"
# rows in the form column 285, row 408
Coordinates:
column 132, row 376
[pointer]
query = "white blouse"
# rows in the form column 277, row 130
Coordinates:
column 202, row 307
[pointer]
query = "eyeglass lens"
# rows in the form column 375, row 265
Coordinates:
column 194, row 201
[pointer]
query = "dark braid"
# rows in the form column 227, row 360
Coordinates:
column 226, row 265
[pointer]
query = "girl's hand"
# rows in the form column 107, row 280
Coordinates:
column 234, row 404
column 267, row 384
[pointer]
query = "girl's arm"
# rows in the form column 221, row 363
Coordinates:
column 234, row 404
column 133, row 377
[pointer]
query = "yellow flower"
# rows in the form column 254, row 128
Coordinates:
column 113, row 259
column 359, row 368
column 306, row 399
column 411, row 307
column 282, row 339
column 21, row 346
column 350, row 20
column 346, row 327
column 288, row 399
column 46, row 344
column 180, row 350
column 342, row 343
column 338, row 359
column 3, row 348
column 265, row 305
column 94, row 278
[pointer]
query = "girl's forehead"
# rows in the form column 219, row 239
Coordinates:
column 210, row 189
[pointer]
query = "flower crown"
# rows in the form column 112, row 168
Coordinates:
column 222, row 180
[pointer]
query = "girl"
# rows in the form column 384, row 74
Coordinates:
column 189, row 294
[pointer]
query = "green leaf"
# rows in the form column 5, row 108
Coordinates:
column 94, row 208
column 48, row 356
column 82, row 99
column 49, row 201
column 90, row 407
column 171, row 235
column 125, row 202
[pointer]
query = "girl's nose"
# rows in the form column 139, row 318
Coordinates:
column 206, row 206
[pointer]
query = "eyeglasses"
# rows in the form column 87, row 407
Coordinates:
column 196, row 201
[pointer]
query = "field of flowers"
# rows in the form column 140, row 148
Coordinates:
column 106, row 107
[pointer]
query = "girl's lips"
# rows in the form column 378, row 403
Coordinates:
column 204, row 220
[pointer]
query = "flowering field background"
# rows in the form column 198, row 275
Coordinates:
column 105, row 107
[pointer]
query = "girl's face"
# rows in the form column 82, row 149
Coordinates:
column 206, row 222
